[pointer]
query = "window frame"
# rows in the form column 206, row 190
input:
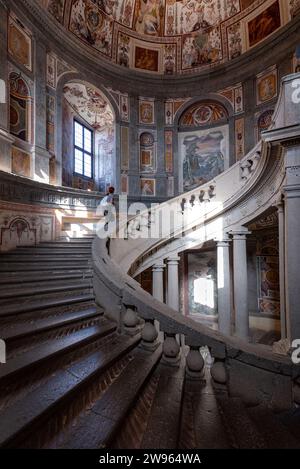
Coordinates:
column 84, row 152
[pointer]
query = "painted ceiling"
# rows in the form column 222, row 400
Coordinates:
column 171, row 36
column 90, row 104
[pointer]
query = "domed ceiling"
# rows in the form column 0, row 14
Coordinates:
column 171, row 36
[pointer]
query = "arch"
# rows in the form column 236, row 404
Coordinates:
column 20, row 114
column 209, row 97
column 90, row 105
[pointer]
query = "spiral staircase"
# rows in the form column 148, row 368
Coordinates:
column 86, row 367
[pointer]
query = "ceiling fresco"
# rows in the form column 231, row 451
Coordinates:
column 171, row 36
column 90, row 104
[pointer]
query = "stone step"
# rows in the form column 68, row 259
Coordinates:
column 201, row 423
column 45, row 266
column 45, row 304
column 25, row 416
column 163, row 424
column 40, row 258
column 98, row 428
column 274, row 432
column 37, row 288
column 43, row 251
column 241, row 430
column 41, row 354
column 12, row 278
column 19, row 329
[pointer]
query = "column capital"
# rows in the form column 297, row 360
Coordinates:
column 173, row 259
column 159, row 267
column 223, row 240
column 240, row 235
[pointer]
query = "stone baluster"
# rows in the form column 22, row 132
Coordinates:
column 171, row 350
column 149, row 336
column 131, row 321
column 195, row 364
column 219, row 374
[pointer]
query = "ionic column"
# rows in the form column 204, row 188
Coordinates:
column 280, row 209
column 173, row 282
column 158, row 281
column 224, row 286
column 240, row 281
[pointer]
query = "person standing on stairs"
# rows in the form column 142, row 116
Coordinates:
column 107, row 203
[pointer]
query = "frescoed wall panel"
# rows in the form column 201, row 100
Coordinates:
column 204, row 155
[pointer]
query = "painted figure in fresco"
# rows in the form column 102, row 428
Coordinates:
column 56, row 8
column 203, row 160
column 149, row 17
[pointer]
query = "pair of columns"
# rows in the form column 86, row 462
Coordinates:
column 173, row 281
column 240, row 282
column 239, row 296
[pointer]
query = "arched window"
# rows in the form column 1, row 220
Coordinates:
column 20, row 108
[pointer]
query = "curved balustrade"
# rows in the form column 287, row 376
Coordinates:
column 234, row 198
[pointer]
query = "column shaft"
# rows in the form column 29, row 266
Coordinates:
column 224, row 287
column 158, row 281
column 240, row 280
column 173, row 282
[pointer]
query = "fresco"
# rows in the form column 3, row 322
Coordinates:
column 266, row 85
column 264, row 121
column 146, row 59
column 204, row 155
column 91, row 25
column 264, row 24
column 147, row 152
column 90, row 104
column 146, row 111
column 202, row 283
column 202, row 49
column 188, row 34
column 169, row 150
column 268, row 275
column 148, row 187
column 19, row 42
column 20, row 162
column 239, row 138
column 56, row 8
column 20, row 108
column 149, row 17
column 203, row 114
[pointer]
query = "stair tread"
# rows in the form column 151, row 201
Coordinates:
column 98, row 427
column 235, row 418
column 43, row 304
column 16, row 329
column 10, row 277
column 38, row 288
column 49, row 350
column 164, row 421
column 18, row 417
column 274, row 432
column 201, row 424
